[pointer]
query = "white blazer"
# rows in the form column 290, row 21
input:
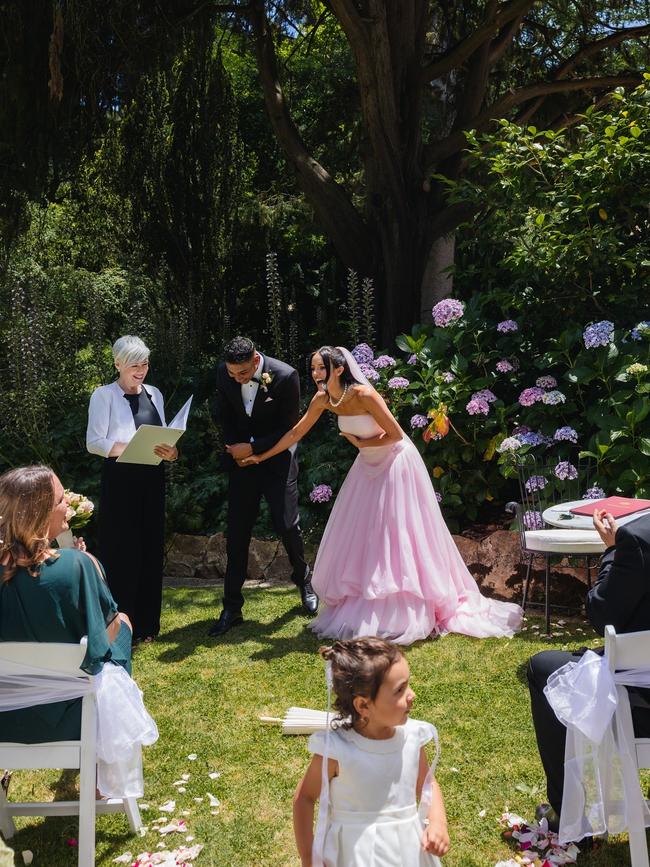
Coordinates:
column 110, row 419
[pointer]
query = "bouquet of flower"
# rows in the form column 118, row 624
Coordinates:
column 80, row 510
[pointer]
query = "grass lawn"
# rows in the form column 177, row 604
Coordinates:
column 206, row 697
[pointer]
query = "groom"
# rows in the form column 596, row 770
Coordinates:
column 257, row 402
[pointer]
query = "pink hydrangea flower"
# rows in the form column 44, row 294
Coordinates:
column 321, row 494
column 478, row 406
column 447, row 311
column 529, row 396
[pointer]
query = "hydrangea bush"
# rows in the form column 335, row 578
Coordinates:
column 581, row 396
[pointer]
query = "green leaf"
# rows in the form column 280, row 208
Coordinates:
column 644, row 445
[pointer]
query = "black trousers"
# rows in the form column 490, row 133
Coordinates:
column 131, row 540
column 246, row 487
column 549, row 731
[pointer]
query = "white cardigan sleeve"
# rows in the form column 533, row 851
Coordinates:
column 99, row 415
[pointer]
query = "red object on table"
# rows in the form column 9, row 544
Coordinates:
column 618, row 507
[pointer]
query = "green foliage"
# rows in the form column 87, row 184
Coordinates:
column 563, row 216
column 580, row 395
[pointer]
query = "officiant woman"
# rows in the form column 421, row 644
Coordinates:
column 132, row 497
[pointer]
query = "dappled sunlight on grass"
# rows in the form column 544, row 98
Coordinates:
column 206, row 696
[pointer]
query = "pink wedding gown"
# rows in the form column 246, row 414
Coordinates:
column 387, row 564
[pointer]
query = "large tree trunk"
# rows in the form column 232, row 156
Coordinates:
column 438, row 280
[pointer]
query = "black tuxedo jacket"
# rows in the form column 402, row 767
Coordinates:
column 276, row 410
column 621, row 595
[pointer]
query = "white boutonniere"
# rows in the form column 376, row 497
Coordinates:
column 265, row 380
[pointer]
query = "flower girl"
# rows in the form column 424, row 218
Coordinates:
column 368, row 770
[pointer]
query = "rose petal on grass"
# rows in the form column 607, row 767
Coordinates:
column 28, row 856
column 185, row 777
column 169, row 807
column 192, row 757
column 127, row 858
column 214, row 775
column 455, row 770
column 199, row 800
column 214, row 801
column 482, row 813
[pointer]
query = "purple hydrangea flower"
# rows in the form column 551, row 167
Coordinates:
column 448, row 376
column 508, row 325
column 536, row 483
column 478, row 406
column 552, row 398
column 594, row 493
column 484, row 394
column 565, row 470
column 369, row 372
column 529, row 396
column 509, row 444
column 419, row 420
column 520, row 429
column 533, row 520
column 438, row 496
column 530, row 438
column 447, row 311
column 641, row 330
column 363, row 354
column 546, row 382
column 567, row 434
column 398, row 382
column 504, row 366
column 413, row 359
column 384, row 361
column 598, row 334
column 321, row 494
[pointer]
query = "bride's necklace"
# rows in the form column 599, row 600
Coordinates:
column 341, row 398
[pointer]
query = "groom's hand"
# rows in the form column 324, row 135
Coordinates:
column 239, row 451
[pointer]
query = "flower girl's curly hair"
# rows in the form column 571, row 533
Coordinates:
column 358, row 668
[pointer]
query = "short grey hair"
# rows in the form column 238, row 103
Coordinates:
column 130, row 350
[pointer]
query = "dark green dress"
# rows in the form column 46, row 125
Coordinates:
column 67, row 600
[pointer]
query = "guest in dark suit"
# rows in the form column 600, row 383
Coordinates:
column 257, row 402
column 620, row 598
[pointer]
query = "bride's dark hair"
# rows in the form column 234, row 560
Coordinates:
column 332, row 358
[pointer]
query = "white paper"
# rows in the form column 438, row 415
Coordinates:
column 140, row 450
column 179, row 422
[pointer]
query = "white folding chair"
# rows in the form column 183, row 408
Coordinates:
column 79, row 754
column 632, row 650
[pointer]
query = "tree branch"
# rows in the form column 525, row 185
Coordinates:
column 504, row 40
column 456, row 141
column 339, row 218
column 490, row 28
column 600, row 45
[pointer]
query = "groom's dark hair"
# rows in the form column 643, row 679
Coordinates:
column 238, row 350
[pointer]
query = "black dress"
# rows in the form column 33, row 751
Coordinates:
column 132, row 529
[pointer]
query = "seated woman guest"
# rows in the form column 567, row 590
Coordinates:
column 51, row 596
column 132, row 497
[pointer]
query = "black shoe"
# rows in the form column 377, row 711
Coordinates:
column 227, row 619
column 307, row 596
column 545, row 811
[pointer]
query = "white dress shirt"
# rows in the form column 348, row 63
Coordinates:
column 249, row 389
column 110, row 419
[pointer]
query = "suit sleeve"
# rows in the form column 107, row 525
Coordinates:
column 287, row 397
column 222, row 412
column 620, row 585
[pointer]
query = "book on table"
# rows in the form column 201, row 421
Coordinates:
column 618, row 507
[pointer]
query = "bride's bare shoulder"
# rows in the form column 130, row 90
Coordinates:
column 363, row 391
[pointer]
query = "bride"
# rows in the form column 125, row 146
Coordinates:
column 387, row 564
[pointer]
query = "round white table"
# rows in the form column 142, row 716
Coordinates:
column 560, row 516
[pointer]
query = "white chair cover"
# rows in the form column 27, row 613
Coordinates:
column 601, row 781
column 123, row 723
